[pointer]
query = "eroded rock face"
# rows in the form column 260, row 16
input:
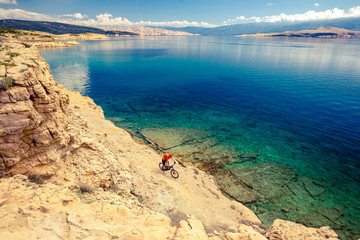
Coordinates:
column 292, row 231
column 47, row 211
column 32, row 114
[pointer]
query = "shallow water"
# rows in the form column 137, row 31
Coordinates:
column 295, row 102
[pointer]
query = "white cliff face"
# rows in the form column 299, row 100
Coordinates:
column 147, row 31
column 32, row 116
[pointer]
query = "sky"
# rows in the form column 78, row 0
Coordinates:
column 176, row 13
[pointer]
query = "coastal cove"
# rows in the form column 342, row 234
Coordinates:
column 277, row 119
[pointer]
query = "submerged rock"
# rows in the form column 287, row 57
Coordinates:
column 266, row 178
column 327, row 216
column 193, row 146
column 233, row 187
column 167, row 138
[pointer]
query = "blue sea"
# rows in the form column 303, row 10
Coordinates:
column 293, row 102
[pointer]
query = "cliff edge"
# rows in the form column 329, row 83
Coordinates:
column 68, row 173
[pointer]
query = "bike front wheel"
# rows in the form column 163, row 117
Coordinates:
column 161, row 166
column 174, row 173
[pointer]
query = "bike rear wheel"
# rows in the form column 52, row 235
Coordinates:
column 161, row 166
column 174, row 173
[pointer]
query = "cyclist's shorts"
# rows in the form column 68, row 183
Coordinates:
column 163, row 162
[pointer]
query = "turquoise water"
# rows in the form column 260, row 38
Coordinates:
column 295, row 102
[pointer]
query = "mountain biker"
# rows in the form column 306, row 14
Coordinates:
column 165, row 159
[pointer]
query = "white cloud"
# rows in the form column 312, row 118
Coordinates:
column 8, row 2
column 24, row 15
column 316, row 4
column 106, row 19
column 75, row 15
column 307, row 16
column 269, row 4
column 103, row 19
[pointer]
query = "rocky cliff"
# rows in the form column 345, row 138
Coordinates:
column 147, row 31
column 68, row 173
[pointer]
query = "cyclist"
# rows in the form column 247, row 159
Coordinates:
column 165, row 160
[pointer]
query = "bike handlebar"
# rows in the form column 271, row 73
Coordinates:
column 174, row 162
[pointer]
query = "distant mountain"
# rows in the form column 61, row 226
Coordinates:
column 56, row 28
column 229, row 30
column 253, row 28
column 321, row 32
column 147, row 31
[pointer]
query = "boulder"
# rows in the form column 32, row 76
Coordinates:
column 293, row 231
column 190, row 229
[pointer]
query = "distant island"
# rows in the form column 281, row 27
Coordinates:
column 321, row 32
column 148, row 31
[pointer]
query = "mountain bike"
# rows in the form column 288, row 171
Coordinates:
column 173, row 172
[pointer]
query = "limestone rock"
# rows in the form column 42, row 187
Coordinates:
column 48, row 211
column 32, row 117
column 147, row 31
column 251, row 232
column 81, row 36
column 289, row 230
column 192, row 229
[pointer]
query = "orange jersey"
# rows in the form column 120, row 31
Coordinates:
column 166, row 156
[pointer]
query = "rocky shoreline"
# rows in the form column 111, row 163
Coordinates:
column 68, row 173
column 321, row 32
column 272, row 190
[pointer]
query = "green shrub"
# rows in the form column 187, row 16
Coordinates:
column 9, row 30
column 35, row 179
column 7, row 64
column 35, row 62
column 113, row 187
column 26, row 45
column 85, row 188
column 6, row 83
column 27, row 64
column 13, row 54
column 138, row 196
